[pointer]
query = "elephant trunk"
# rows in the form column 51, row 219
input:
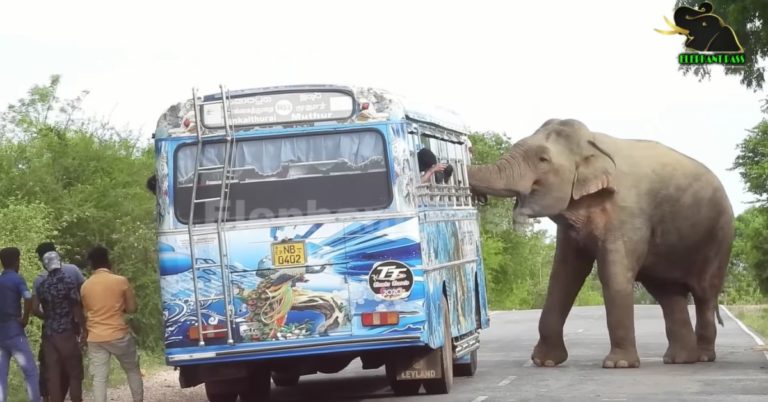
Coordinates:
column 500, row 179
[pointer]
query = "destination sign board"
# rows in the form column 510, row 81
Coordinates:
column 280, row 108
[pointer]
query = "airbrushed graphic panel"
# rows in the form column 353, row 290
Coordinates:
column 290, row 303
column 453, row 236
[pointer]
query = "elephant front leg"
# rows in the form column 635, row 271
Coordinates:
column 617, row 277
column 570, row 268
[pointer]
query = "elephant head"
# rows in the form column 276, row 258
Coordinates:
column 705, row 31
column 559, row 163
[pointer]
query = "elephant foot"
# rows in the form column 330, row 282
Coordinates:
column 706, row 355
column 549, row 355
column 621, row 359
column 681, row 355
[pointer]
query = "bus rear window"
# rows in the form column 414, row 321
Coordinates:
column 295, row 175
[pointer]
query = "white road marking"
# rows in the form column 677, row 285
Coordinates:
column 745, row 329
column 507, row 380
column 480, row 398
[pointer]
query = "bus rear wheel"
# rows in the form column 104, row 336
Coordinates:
column 255, row 387
column 466, row 369
column 216, row 391
column 443, row 384
column 285, row 378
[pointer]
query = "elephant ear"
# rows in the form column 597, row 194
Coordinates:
column 594, row 172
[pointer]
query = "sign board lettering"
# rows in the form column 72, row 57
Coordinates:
column 280, row 108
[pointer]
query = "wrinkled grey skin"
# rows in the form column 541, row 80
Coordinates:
column 639, row 209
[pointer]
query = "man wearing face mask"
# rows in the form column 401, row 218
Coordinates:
column 77, row 276
column 64, row 331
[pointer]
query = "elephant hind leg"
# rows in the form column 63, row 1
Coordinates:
column 705, row 292
column 673, row 299
column 706, row 330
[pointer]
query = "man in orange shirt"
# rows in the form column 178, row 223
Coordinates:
column 106, row 296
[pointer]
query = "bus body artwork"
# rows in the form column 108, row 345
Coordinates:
column 314, row 241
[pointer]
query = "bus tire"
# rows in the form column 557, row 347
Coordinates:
column 443, row 384
column 256, row 387
column 215, row 392
column 285, row 378
column 466, row 369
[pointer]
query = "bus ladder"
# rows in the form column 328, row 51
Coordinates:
column 195, row 232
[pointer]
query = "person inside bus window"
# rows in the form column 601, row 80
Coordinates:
column 428, row 165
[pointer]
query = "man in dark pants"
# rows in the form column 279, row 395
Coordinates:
column 77, row 276
column 64, row 330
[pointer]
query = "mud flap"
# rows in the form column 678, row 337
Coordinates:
column 420, row 366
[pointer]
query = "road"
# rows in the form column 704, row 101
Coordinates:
column 505, row 372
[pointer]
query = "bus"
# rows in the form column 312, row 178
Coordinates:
column 296, row 234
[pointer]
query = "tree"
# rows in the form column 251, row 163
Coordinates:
column 750, row 249
column 748, row 18
column 752, row 161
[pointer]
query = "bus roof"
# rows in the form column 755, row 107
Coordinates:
column 303, row 105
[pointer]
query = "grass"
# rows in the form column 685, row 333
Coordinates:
column 753, row 316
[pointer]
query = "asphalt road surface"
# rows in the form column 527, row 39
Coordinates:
column 505, row 372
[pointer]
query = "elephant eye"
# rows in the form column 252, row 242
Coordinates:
column 543, row 159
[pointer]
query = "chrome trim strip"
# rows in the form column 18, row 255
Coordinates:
column 450, row 264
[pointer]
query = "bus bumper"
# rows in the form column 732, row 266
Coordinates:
column 277, row 349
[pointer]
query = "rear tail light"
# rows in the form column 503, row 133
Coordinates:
column 380, row 318
column 209, row 332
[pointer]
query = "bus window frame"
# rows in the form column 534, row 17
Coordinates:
column 237, row 140
column 455, row 193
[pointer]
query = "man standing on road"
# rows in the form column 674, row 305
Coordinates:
column 63, row 330
column 13, row 339
column 76, row 275
column 106, row 296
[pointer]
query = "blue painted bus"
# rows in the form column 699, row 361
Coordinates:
column 296, row 233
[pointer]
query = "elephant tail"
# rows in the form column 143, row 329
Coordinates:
column 717, row 313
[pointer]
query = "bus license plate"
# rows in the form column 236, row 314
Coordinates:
column 288, row 254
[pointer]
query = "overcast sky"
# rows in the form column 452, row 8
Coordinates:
column 505, row 69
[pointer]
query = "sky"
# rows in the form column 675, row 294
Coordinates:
column 504, row 66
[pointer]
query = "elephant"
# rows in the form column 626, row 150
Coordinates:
column 642, row 211
column 706, row 32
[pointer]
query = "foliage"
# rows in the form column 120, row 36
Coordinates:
column 752, row 161
column 748, row 20
column 78, row 182
column 750, row 249
column 748, row 271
